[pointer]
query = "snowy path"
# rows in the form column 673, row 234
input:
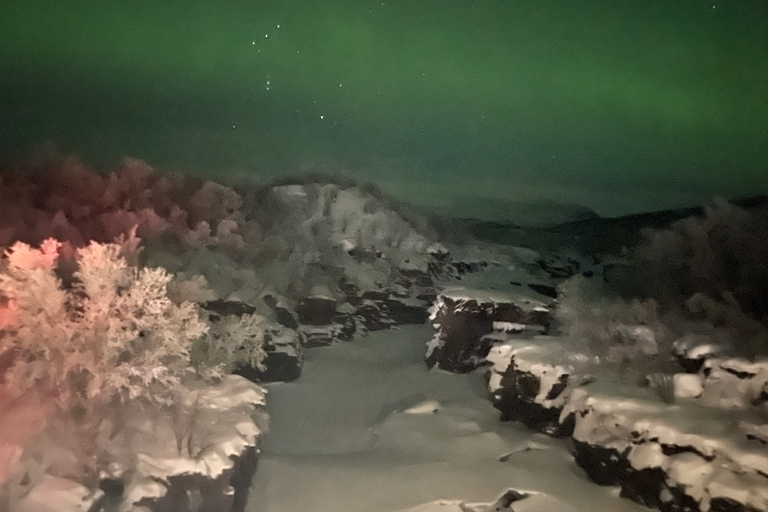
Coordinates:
column 339, row 440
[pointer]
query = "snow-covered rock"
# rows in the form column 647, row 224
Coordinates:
column 687, row 385
column 512, row 501
column 464, row 317
column 316, row 310
column 530, row 380
column 407, row 310
column 705, row 452
column 202, row 461
column 691, row 351
column 284, row 356
column 54, row 494
column 326, row 231
column 671, row 457
column 734, row 383
column 321, row 335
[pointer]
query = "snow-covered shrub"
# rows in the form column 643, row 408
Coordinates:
column 81, row 348
column 725, row 250
column 724, row 322
column 713, row 268
column 114, row 332
column 619, row 331
column 62, row 198
column 231, row 343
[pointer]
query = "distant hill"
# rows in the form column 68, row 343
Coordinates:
column 590, row 235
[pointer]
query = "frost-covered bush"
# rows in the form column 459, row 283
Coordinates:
column 80, row 348
column 113, row 332
column 231, row 343
column 713, row 270
column 723, row 251
column 619, row 331
column 243, row 238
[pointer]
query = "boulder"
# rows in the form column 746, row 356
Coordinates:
column 374, row 315
column 229, row 307
column 406, row 310
column 705, row 452
column 321, row 335
column 283, row 314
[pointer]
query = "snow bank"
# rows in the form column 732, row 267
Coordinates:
column 201, row 459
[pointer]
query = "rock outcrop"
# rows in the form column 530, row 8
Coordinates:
column 464, row 319
column 705, row 452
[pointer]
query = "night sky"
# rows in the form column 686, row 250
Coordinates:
column 618, row 106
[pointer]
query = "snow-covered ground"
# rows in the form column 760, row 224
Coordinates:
column 358, row 432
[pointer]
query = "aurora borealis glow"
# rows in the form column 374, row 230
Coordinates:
column 620, row 106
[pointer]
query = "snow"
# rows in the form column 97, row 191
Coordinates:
column 517, row 296
column 343, row 437
column 55, row 494
column 509, row 326
column 533, row 503
column 715, row 458
column 425, row 407
column 734, row 383
column 547, row 358
column 711, row 447
column 224, row 424
column 687, row 385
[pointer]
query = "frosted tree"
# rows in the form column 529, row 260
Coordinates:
column 74, row 351
column 113, row 332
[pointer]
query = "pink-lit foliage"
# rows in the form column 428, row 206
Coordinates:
column 73, row 350
column 60, row 197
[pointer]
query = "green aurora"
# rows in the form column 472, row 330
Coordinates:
column 619, row 106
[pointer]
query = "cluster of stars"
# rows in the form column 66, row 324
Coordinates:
column 268, row 80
